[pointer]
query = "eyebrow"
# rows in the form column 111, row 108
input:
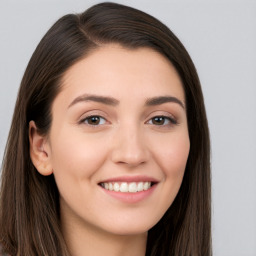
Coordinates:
column 114, row 102
column 164, row 99
column 96, row 98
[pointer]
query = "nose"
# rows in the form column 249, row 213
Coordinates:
column 130, row 147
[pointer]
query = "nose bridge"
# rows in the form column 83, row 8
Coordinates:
column 130, row 146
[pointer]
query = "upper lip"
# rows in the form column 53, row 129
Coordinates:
column 130, row 179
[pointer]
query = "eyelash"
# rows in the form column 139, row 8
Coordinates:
column 171, row 121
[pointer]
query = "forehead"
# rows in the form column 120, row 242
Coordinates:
column 113, row 69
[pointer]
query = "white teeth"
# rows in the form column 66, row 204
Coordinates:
column 116, row 187
column 124, row 187
column 132, row 187
column 140, row 186
column 146, row 186
column 110, row 186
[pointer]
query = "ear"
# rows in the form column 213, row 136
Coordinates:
column 39, row 150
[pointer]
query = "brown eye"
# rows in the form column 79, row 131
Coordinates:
column 158, row 120
column 94, row 120
column 162, row 120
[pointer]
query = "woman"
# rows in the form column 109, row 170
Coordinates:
column 108, row 151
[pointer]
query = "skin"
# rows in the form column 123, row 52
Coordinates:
column 126, row 140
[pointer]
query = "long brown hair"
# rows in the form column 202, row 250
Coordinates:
column 29, row 210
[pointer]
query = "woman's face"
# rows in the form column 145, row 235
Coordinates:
column 119, row 142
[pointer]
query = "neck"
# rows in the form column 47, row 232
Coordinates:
column 87, row 239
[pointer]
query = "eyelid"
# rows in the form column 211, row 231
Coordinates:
column 87, row 112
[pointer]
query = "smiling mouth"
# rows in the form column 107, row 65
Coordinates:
column 127, row 187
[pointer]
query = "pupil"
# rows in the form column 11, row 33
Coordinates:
column 94, row 120
column 158, row 120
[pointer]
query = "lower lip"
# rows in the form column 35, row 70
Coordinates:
column 127, row 197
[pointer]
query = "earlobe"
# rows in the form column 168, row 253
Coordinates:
column 39, row 150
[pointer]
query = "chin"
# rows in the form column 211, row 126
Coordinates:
column 128, row 228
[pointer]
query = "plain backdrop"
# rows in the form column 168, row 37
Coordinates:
column 221, row 39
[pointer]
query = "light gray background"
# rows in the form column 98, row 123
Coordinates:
column 221, row 39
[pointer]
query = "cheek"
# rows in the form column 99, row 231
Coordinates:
column 172, row 158
column 172, row 154
column 176, row 162
column 74, row 154
column 75, row 161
